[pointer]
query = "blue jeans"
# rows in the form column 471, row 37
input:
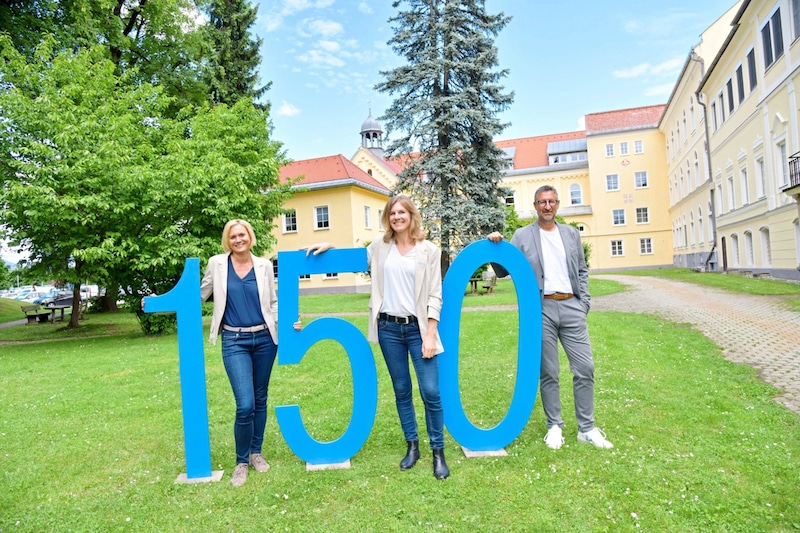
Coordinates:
column 248, row 360
column 397, row 341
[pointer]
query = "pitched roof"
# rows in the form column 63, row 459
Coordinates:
column 634, row 118
column 330, row 171
column 531, row 152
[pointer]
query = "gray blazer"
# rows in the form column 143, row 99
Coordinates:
column 215, row 281
column 529, row 242
column 427, row 285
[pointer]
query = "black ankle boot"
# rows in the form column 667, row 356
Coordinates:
column 412, row 454
column 440, row 469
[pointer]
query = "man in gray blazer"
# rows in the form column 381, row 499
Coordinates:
column 556, row 256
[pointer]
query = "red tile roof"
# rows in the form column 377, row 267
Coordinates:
column 328, row 169
column 624, row 119
column 532, row 151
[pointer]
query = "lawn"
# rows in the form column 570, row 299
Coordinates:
column 91, row 440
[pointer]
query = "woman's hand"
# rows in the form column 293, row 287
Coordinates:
column 298, row 325
column 317, row 248
column 495, row 237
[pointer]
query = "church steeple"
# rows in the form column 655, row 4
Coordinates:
column 372, row 135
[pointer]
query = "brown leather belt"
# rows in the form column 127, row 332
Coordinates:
column 559, row 296
column 250, row 329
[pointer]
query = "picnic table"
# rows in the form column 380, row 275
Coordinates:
column 36, row 313
column 473, row 284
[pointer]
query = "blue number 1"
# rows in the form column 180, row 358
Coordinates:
column 184, row 299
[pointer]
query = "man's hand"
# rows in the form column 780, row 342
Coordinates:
column 495, row 237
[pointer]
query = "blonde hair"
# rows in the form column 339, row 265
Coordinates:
column 415, row 227
column 226, row 233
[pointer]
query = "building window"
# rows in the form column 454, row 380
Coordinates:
column 782, row 174
column 575, row 195
column 761, row 182
column 735, row 250
column 731, row 194
column 744, row 189
column 304, row 277
column 616, row 248
column 740, row 83
column 581, row 228
column 609, row 150
column 642, row 215
column 697, row 178
column 691, row 229
column 638, row 147
column 766, row 249
column 290, row 221
column 618, row 216
column 331, row 275
column 721, row 106
column 751, row 69
column 612, row 182
column 796, row 17
column 772, row 39
column 640, row 179
column 729, row 87
column 714, row 125
column 380, row 219
column 749, row 259
column 700, row 234
column 509, row 200
column 719, row 198
column 646, row 246
column 691, row 113
column 321, row 217
column 623, row 148
column 367, row 217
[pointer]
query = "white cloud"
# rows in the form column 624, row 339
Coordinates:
column 274, row 19
column 287, row 110
column 330, row 46
column 665, row 68
column 664, row 89
column 581, row 123
column 364, row 8
column 326, row 28
column 320, row 58
column 632, row 72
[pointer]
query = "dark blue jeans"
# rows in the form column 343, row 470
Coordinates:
column 397, row 342
column 248, row 360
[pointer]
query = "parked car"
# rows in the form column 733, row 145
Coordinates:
column 58, row 299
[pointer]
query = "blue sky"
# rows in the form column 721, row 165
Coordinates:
column 566, row 58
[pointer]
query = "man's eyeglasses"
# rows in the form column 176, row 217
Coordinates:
column 543, row 203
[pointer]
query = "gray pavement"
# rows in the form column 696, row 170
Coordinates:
column 755, row 330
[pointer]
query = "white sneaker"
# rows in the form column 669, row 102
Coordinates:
column 554, row 439
column 595, row 436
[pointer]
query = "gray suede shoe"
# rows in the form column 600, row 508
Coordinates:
column 239, row 475
column 258, row 462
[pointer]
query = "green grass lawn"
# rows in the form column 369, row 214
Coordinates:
column 91, row 439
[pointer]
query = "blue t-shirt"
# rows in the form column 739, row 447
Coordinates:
column 243, row 308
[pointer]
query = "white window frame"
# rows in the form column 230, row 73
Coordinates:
column 744, row 189
column 623, row 148
column 325, row 222
column 618, row 217
column 772, row 45
column 640, row 179
column 642, row 215
column 617, row 248
column 575, row 194
column 286, row 218
column 367, row 217
column 645, row 246
column 612, row 179
column 610, row 150
column 638, row 147
column 761, row 179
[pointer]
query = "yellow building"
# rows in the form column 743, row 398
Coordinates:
column 336, row 202
column 749, row 91
column 683, row 125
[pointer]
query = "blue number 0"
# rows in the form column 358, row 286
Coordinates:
column 528, row 350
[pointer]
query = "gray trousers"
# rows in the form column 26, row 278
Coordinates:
column 565, row 320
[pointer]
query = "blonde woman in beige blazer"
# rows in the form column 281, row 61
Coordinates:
column 245, row 317
column 404, row 307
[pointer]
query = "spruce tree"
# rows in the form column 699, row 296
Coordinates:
column 231, row 70
column 444, row 117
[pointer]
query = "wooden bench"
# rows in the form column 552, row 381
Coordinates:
column 35, row 313
column 489, row 281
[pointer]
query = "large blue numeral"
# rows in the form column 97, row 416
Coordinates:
column 294, row 345
column 184, row 299
column 529, row 348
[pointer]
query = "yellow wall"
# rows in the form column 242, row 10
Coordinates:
column 347, row 230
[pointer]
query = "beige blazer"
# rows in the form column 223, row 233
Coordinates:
column 427, row 285
column 215, row 281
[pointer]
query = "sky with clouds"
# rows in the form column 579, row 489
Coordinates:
column 565, row 58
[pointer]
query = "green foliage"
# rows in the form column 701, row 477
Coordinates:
column 157, row 323
column 514, row 222
column 101, row 184
column 231, row 68
column 445, row 110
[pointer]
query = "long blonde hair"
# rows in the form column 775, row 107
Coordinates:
column 415, row 231
column 226, row 233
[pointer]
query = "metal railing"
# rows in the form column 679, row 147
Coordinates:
column 794, row 171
